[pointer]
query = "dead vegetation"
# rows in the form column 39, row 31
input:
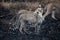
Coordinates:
column 21, row 5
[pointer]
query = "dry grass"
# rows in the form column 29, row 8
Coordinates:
column 20, row 5
column 17, row 4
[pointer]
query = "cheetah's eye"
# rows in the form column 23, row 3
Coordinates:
column 37, row 12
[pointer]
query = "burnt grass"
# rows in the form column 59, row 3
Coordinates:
column 50, row 30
